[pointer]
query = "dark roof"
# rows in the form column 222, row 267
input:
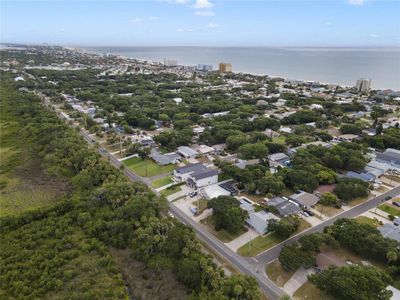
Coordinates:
column 276, row 201
column 190, row 168
column 200, row 174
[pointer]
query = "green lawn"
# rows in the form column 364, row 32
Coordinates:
column 262, row 243
column 146, row 167
column 309, row 291
column 366, row 220
column 259, row 244
column 223, row 235
column 161, row 182
column 390, row 209
column 169, row 191
column 279, row 139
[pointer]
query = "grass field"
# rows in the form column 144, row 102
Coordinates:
column 169, row 191
column 223, row 235
column 278, row 274
column 329, row 211
column 279, row 139
column 146, row 167
column 366, row 220
column 161, row 182
column 391, row 210
column 259, row 244
column 23, row 185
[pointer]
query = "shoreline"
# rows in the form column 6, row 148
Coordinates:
column 237, row 72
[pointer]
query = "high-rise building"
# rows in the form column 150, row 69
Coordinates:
column 170, row 62
column 206, row 68
column 363, row 85
column 225, row 67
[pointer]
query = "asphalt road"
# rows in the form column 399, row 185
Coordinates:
column 251, row 266
column 272, row 253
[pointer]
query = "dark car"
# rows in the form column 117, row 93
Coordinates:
column 388, row 198
column 395, row 203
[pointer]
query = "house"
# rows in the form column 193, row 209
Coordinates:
column 196, row 175
column 287, row 208
column 259, row 221
column 347, row 137
column 304, row 199
column 271, row 133
column 364, row 176
column 316, row 106
column 390, row 231
column 214, row 191
column 165, row 159
column 369, row 131
column 242, row 163
column 278, row 159
column 182, row 174
column 187, row 152
column 202, row 178
column 390, row 157
column 203, row 149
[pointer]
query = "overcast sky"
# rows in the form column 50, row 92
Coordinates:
column 202, row 22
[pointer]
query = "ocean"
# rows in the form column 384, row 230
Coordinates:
column 327, row 65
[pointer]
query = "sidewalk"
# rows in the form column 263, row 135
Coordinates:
column 297, row 280
column 242, row 240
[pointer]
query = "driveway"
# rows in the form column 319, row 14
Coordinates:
column 184, row 191
column 297, row 280
column 241, row 240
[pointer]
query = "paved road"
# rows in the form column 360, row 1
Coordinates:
column 250, row 266
column 272, row 253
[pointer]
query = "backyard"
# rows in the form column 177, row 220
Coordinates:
column 146, row 167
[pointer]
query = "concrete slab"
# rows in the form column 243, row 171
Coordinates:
column 297, row 280
column 243, row 239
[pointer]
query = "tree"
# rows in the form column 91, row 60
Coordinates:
column 284, row 227
column 270, row 184
column 392, row 255
column 227, row 213
column 330, row 199
column 350, row 188
column 292, row 257
column 354, row 282
column 250, row 151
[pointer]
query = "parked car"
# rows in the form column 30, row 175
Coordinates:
column 396, row 203
column 388, row 198
column 309, row 212
column 192, row 194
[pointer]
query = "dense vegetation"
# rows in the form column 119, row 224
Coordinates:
column 62, row 251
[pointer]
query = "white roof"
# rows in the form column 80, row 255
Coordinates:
column 214, row 191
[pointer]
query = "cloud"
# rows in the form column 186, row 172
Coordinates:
column 136, row 20
column 212, row 25
column 202, row 4
column 373, row 35
column 153, row 18
column 205, row 13
column 327, row 23
column 356, row 2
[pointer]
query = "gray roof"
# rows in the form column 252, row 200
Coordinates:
column 287, row 208
column 165, row 159
column 390, row 231
column 200, row 174
column 190, row 168
column 278, row 157
column 186, row 151
column 258, row 220
column 305, row 199
column 276, row 201
column 391, row 156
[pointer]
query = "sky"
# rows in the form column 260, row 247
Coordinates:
column 372, row 23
